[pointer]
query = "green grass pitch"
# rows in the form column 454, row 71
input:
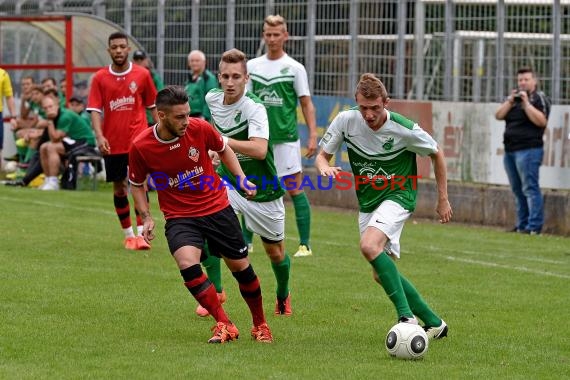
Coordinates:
column 75, row 305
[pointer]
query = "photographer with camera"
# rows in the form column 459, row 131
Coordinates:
column 525, row 113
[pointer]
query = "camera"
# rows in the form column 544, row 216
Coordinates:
column 517, row 97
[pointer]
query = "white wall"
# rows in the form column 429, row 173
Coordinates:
column 472, row 140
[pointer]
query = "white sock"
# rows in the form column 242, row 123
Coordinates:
column 128, row 232
column 52, row 179
column 140, row 230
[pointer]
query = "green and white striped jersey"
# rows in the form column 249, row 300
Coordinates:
column 279, row 83
column 383, row 161
column 242, row 120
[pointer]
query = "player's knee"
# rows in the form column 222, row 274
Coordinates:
column 369, row 249
column 245, row 276
column 192, row 272
column 274, row 249
column 276, row 255
column 120, row 192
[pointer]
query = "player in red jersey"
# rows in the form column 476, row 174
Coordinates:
column 195, row 204
column 118, row 98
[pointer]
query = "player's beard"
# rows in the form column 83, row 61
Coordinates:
column 119, row 62
column 173, row 130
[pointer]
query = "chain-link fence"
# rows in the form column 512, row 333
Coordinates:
column 427, row 49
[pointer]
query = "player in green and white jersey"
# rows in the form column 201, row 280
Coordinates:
column 240, row 116
column 382, row 148
column 280, row 82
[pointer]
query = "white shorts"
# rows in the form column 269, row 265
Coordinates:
column 287, row 158
column 267, row 219
column 389, row 218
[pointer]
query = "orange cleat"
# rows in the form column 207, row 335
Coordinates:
column 262, row 333
column 131, row 243
column 224, row 332
column 283, row 307
column 142, row 245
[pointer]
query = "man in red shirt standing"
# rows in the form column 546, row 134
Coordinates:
column 195, row 204
column 119, row 96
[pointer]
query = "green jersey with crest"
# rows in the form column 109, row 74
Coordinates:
column 279, row 83
column 383, row 161
column 242, row 120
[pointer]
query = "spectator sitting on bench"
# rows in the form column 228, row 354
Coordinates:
column 67, row 132
column 28, row 132
column 77, row 105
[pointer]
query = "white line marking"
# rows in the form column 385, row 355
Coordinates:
column 59, row 205
column 517, row 268
column 502, row 255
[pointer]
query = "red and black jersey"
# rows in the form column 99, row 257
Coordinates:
column 122, row 98
column 186, row 182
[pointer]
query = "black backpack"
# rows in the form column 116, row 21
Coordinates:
column 69, row 176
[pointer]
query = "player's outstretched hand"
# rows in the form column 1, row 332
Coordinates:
column 444, row 211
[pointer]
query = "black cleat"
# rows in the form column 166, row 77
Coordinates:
column 15, row 182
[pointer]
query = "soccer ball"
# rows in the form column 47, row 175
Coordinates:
column 407, row 341
column 10, row 166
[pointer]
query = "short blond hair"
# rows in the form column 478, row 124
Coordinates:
column 371, row 87
column 275, row 20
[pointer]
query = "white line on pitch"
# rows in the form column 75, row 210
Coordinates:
column 354, row 245
column 500, row 255
column 517, row 268
column 59, row 205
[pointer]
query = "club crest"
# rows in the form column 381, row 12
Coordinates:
column 194, row 154
column 237, row 117
column 389, row 144
column 133, row 87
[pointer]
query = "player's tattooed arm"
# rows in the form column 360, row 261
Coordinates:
column 139, row 194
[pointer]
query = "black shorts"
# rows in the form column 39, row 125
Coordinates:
column 116, row 167
column 70, row 145
column 220, row 230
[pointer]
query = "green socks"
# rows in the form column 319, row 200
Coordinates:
column 22, row 152
column 214, row 270
column 281, row 271
column 303, row 217
column 390, row 279
column 418, row 305
column 247, row 234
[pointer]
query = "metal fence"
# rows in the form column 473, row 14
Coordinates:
column 426, row 49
